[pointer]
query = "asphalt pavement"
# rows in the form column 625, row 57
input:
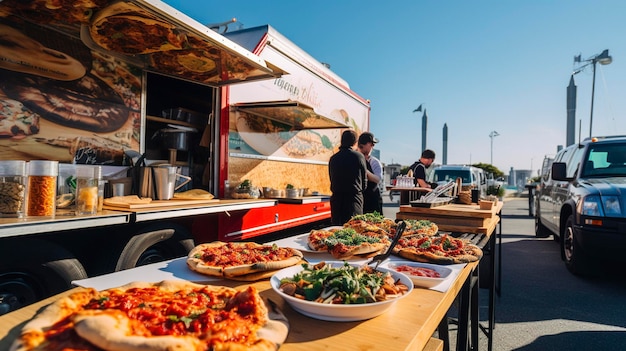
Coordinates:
column 542, row 306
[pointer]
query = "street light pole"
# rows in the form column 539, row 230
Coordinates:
column 492, row 135
column 604, row 59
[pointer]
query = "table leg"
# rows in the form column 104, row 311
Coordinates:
column 474, row 312
column 443, row 332
column 462, row 341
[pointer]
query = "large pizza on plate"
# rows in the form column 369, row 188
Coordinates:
column 246, row 261
column 346, row 243
column 443, row 249
column 167, row 316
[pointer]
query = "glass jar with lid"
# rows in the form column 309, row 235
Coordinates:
column 12, row 188
column 42, row 187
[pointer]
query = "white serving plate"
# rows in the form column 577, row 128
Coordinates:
column 337, row 313
column 419, row 281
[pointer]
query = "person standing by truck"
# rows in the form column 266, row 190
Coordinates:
column 372, row 201
column 419, row 169
column 347, row 170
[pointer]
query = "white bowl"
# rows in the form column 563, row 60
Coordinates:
column 337, row 313
column 419, row 281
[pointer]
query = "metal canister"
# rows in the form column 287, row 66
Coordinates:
column 12, row 188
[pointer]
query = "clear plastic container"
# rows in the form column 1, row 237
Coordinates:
column 42, row 187
column 13, row 179
column 87, row 189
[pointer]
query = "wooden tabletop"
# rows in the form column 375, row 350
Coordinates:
column 456, row 217
column 408, row 325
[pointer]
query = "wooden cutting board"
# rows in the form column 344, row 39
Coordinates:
column 159, row 204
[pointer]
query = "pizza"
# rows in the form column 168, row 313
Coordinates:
column 169, row 315
column 421, row 226
column 86, row 103
column 16, row 120
column 346, row 243
column 442, row 249
column 128, row 29
column 371, row 222
column 246, row 261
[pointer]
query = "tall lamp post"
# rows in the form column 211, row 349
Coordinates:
column 492, row 135
column 604, row 59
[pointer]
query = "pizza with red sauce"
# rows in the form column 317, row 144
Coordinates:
column 246, row 261
column 442, row 249
column 170, row 315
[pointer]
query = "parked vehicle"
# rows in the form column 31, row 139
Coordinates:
column 471, row 176
column 580, row 201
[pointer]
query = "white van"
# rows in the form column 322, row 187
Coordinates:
column 470, row 175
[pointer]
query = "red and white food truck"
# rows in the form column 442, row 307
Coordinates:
column 128, row 85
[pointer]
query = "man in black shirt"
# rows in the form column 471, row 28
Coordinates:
column 419, row 169
column 347, row 171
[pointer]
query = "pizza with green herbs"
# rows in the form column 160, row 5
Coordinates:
column 346, row 243
column 442, row 249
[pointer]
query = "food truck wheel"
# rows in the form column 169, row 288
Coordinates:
column 33, row 270
column 155, row 246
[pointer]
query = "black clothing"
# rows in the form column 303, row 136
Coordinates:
column 419, row 172
column 372, row 201
column 346, row 169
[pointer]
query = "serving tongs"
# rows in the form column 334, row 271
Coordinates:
column 378, row 259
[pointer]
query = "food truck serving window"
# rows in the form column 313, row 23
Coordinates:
column 149, row 34
column 295, row 114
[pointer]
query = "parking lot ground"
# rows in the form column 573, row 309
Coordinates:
column 542, row 306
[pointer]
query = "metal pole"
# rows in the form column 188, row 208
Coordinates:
column 491, row 136
column 593, row 88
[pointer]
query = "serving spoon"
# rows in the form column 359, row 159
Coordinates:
column 378, row 259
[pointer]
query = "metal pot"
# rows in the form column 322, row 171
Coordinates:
column 172, row 138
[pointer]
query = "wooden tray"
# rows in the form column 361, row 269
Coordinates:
column 159, row 203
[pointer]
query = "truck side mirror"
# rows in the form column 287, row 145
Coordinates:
column 559, row 171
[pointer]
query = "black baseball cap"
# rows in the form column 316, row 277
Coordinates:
column 367, row 137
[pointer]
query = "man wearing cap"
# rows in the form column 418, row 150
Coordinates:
column 372, row 200
column 347, row 170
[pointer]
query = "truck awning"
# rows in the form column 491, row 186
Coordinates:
column 293, row 113
column 151, row 35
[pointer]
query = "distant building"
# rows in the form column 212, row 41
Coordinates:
column 391, row 171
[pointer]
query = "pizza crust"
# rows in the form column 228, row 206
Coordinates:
column 111, row 329
column 195, row 263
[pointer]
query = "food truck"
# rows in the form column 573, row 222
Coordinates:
column 247, row 115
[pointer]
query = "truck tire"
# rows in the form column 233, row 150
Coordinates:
column 168, row 242
column 33, row 270
column 575, row 259
column 540, row 230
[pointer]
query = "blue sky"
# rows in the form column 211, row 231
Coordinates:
column 476, row 66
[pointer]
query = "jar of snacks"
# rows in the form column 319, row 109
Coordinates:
column 12, row 188
column 42, row 187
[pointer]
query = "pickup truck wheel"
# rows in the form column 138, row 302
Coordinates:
column 574, row 256
column 540, row 230
column 33, row 271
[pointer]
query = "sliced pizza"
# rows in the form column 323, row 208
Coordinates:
column 371, row 223
column 347, row 243
column 442, row 249
column 241, row 260
column 169, row 315
column 422, row 226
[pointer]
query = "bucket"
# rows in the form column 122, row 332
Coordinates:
column 159, row 182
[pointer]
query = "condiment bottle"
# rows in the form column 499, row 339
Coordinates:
column 12, row 188
column 42, row 188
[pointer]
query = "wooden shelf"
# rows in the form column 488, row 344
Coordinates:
column 172, row 121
